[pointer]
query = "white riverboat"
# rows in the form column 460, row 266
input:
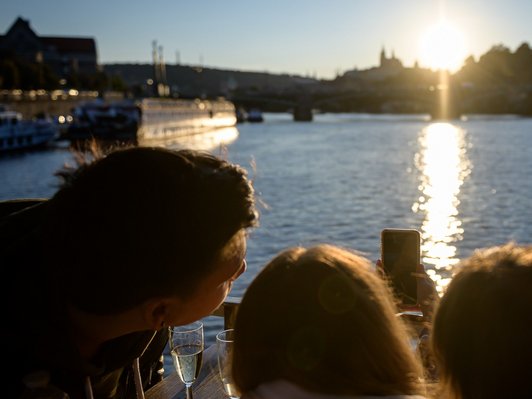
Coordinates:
column 17, row 133
column 166, row 119
column 150, row 120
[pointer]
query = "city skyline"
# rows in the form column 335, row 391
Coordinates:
column 311, row 38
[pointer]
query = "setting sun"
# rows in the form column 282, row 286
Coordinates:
column 443, row 46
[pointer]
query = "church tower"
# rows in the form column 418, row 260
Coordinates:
column 383, row 57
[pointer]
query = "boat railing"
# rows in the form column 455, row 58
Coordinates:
column 228, row 310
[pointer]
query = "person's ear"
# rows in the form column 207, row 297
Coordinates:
column 157, row 311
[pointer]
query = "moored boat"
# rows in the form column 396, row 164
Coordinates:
column 164, row 119
column 99, row 120
column 17, row 133
column 241, row 115
column 255, row 115
column 150, row 120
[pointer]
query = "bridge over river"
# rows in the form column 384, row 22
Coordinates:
column 440, row 103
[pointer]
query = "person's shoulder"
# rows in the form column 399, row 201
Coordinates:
column 392, row 397
column 283, row 389
column 13, row 207
column 19, row 218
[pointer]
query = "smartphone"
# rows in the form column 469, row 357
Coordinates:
column 400, row 255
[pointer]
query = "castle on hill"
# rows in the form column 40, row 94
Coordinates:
column 388, row 67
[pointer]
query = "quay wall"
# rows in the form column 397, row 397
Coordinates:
column 29, row 109
column 53, row 103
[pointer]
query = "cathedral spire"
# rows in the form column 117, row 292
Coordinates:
column 383, row 56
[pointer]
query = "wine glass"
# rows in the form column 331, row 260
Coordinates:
column 186, row 347
column 225, row 343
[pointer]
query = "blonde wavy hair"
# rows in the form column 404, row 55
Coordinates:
column 324, row 320
column 483, row 327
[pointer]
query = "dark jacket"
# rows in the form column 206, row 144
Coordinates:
column 35, row 328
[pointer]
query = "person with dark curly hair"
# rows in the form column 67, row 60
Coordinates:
column 133, row 242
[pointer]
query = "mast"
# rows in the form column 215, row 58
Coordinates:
column 156, row 71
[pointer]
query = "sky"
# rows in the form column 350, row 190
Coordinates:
column 318, row 38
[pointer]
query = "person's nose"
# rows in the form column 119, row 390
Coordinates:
column 242, row 269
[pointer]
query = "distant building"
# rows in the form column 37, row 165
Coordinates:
column 64, row 55
column 388, row 67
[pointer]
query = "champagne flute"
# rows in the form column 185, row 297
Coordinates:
column 186, row 347
column 225, row 344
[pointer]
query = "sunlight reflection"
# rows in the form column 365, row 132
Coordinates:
column 443, row 164
column 206, row 141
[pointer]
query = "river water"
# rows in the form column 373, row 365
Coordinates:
column 344, row 177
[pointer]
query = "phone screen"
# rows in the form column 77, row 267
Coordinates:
column 400, row 257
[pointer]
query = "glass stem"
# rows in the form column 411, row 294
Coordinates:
column 189, row 392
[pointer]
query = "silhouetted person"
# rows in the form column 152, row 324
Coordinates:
column 482, row 333
column 141, row 239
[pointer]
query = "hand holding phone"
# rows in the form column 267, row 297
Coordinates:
column 400, row 254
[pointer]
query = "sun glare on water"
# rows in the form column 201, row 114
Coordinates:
column 443, row 46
